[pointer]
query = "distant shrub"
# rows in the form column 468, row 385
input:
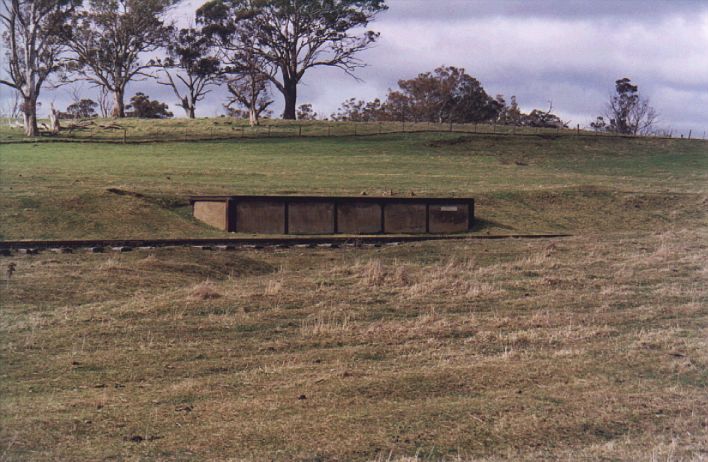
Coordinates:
column 141, row 106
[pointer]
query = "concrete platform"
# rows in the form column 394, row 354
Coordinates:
column 320, row 215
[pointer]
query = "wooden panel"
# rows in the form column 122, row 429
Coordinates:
column 359, row 218
column 449, row 218
column 211, row 213
column 404, row 218
column 311, row 217
column 260, row 216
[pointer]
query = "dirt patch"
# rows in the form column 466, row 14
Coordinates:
column 450, row 142
column 163, row 201
column 123, row 192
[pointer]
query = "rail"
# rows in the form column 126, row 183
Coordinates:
column 32, row 246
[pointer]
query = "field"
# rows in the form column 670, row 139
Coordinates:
column 589, row 347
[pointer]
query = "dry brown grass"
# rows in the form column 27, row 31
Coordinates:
column 206, row 290
column 581, row 349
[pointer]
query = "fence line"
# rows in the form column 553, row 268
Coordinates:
column 230, row 132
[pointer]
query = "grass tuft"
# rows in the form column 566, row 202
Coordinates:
column 205, row 290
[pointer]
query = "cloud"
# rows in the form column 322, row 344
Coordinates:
column 565, row 56
column 625, row 10
column 569, row 52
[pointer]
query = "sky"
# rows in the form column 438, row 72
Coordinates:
column 568, row 52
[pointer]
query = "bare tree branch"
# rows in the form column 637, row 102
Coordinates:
column 292, row 36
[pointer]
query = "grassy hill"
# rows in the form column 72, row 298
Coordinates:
column 591, row 348
column 63, row 190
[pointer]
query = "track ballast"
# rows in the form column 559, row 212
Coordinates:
column 98, row 245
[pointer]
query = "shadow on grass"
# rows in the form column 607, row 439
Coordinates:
column 483, row 224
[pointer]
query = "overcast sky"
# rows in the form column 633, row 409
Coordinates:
column 569, row 52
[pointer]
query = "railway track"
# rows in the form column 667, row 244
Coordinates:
column 125, row 245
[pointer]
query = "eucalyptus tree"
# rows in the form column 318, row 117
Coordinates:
column 628, row 112
column 248, row 85
column 293, row 36
column 190, row 68
column 110, row 39
column 34, row 48
column 448, row 94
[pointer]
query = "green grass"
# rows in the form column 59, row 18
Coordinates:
column 140, row 130
column 59, row 190
column 587, row 348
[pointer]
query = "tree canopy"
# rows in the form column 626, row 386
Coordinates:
column 141, row 106
column 294, row 35
column 627, row 111
column 190, row 68
column 82, row 109
column 109, row 37
column 446, row 95
column 32, row 39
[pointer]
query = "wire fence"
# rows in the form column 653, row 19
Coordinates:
column 131, row 131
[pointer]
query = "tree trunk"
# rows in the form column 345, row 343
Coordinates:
column 290, row 95
column 54, row 124
column 188, row 104
column 119, row 104
column 253, row 117
column 29, row 115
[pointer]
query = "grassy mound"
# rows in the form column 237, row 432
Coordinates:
column 114, row 191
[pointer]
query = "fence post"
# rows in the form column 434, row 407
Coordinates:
column 689, row 134
column 299, row 133
column 125, row 135
column 578, row 129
